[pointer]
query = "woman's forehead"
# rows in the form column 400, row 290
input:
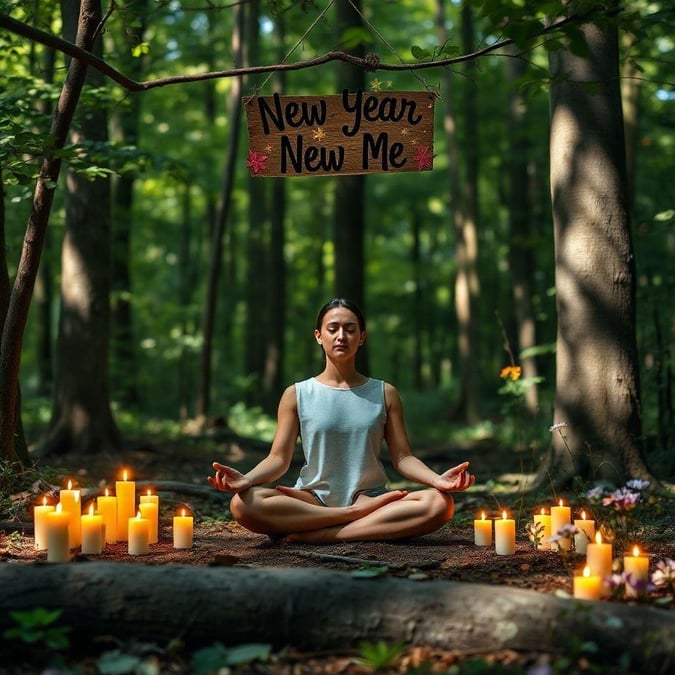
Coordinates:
column 340, row 315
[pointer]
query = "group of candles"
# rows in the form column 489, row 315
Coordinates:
column 592, row 584
column 62, row 527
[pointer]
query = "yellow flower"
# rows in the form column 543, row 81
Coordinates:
column 512, row 372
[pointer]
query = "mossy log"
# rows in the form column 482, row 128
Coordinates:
column 315, row 609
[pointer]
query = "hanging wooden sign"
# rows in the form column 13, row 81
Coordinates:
column 351, row 133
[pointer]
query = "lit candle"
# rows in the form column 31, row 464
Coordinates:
column 92, row 528
column 149, row 511
column 126, row 505
column 107, row 507
column 40, row 512
column 182, row 530
column 505, row 535
column 70, row 504
column 599, row 560
column 139, row 535
column 149, row 497
column 638, row 567
column 560, row 516
column 543, row 532
column 587, row 586
column 58, row 537
column 586, row 533
column 482, row 531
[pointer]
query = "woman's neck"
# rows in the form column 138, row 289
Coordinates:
column 338, row 375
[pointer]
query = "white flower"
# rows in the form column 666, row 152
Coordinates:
column 557, row 426
column 637, row 484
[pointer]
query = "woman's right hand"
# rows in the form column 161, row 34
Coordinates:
column 227, row 479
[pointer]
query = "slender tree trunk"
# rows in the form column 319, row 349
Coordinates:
column 349, row 202
column 597, row 379
column 521, row 253
column 24, row 282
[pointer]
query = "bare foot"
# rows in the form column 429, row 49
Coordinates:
column 365, row 504
column 302, row 495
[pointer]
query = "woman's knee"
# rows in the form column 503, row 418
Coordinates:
column 441, row 506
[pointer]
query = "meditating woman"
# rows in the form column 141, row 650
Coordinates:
column 343, row 418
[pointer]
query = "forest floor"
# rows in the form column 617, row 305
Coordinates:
column 178, row 472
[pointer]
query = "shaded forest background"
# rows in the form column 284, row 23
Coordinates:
column 180, row 293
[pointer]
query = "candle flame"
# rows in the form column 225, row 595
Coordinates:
column 44, row 501
column 543, row 511
column 59, row 508
column 482, row 515
column 149, row 492
column 504, row 515
column 587, row 571
column 124, row 474
column 636, row 551
column 107, row 492
column 182, row 513
column 560, row 503
column 91, row 509
column 598, row 538
column 70, row 484
column 138, row 515
column 583, row 515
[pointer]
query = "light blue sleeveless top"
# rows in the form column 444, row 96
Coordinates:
column 342, row 432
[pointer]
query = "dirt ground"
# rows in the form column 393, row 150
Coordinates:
column 178, row 473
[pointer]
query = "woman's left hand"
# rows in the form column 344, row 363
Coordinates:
column 456, row 479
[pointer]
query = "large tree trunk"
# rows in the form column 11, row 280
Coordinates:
column 82, row 419
column 33, row 243
column 313, row 609
column 597, row 379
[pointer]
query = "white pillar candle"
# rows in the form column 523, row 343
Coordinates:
column 587, row 586
column 92, row 527
column 505, row 535
column 58, row 537
column 482, row 531
column 638, row 567
column 182, row 530
column 560, row 516
column 586, row 533
column 126, row 505
column 139, row 535
column 40, row 512
column 70, row 504
column 149, row 511
column 542, row 529
column 107, row 507
column 599, row 561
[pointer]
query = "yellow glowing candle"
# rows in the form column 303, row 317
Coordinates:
column 70, row 504
column 505, row 535
column 126, row 505
column 637, row 566
column 182, row 530
column 149, row 511
column 542, row 528
column 587, row 586
column 586, row 533
column 58, row 537
column 482, row 531
column 92, row 529
column 107, row 507
column 560, row 516
column 139, row 535
column 40, row 512
column 599, row 560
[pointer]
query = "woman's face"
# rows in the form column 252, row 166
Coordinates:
column 340, row 335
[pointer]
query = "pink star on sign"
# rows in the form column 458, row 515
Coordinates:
column 257, row 161
column 424, row 158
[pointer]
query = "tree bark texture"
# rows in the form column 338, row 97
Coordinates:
column 316, row 609
column 597, row 378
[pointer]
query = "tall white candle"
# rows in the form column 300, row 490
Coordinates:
column 561, row 515
column 599, row 561
column 542, row 529
column 40, row 512
column 58, row 538
column 107, row 507
column 505, row 535
column 70, row 504
column 126, row 505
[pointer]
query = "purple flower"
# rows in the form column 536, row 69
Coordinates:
column 664, row 574
column 595, row 493
column 637, row 484
column 622, row 499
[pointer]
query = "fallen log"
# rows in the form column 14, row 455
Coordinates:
column 315, row 609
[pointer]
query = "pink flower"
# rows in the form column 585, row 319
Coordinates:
column 257, row 161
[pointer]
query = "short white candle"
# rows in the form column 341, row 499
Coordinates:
column 58, row 538
column 637, row 566
column 560, row 516
column 92, row 529
column 125, row 491
column 543, row 532
column 40, row 512
column 505, row 535
column 587, row 586
column 107, row 507
column 70, row 504
column 482, row 531
column 139, row 535
column 182, row 530
column 586, row 533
